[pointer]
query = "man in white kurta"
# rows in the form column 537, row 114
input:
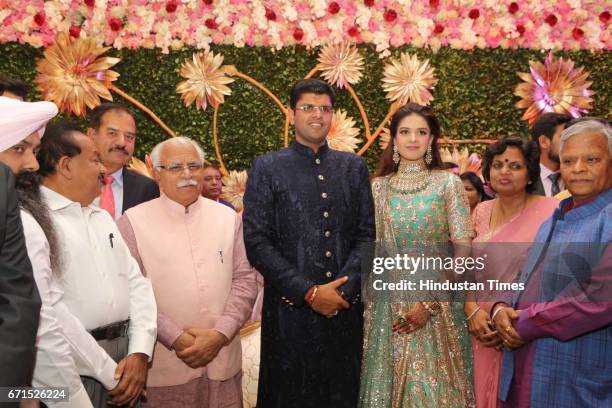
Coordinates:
column 101, row 283
column 192, row 250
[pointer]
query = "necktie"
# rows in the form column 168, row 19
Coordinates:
column 554, row 178
column 107, row 199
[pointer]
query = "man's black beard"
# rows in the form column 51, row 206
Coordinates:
column 27, row 184
column 553, row 157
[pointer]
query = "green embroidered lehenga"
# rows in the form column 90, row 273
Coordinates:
column 430, row 367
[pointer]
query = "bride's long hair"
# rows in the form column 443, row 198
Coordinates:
column 386, row 165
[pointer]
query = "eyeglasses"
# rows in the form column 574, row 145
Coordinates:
column 179, row 168
column 311, row 108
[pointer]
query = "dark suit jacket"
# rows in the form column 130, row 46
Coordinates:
column 137, row 189
column 19, row 299
column 538, row 188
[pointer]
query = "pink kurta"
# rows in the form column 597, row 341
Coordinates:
column 196, row 261
column 517, row 232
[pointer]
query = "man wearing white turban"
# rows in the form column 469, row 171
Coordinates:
column 22, row 125
column 19, row 299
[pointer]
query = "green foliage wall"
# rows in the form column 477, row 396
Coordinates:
column 473, row 97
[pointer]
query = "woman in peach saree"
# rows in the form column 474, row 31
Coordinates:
column 505, row 227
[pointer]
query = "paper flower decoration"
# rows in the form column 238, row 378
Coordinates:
column 554, row 86
column 384, row 138
column 463, row 159
column 234, row 186
column 205, row 80
column 340, row 64
column 73, row 75
column 343, row 133
column 409, row 80
column 140, row 167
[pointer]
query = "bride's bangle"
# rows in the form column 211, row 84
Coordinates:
column 432, row 308
column 472, row 314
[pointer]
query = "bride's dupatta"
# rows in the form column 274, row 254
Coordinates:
column 376, row 388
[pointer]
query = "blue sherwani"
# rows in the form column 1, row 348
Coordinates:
column 572, row 355
column 307, row 217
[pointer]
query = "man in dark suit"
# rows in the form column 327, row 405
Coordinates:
column 546, row 132
column 19, row 300
column 113, row 130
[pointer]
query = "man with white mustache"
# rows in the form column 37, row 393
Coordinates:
column 192, row 250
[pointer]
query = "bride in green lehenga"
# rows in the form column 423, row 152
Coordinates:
column 416, row 345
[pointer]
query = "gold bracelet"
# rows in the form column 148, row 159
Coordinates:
column 314, row 293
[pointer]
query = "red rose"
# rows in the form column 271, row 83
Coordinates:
column 333, row 8
column 211, row 23
column 115, row 24
column 368, row 3
column 209, row 2
column 513, row 7
column 577, row 33
column 604, row 17
column 438, row 28
column 520, row 29
column 353, row 31
column 298, row 34
column 40, row 17
column 75, row 31
column 434, row 3
column 171, row 6
column 390, row 15
column 90, row 3
column 551, row 20
column 270, row 14
column 474, row 14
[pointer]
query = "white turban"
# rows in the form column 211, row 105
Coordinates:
column 19, row 120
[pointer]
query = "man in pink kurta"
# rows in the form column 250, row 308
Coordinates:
column 192, row 250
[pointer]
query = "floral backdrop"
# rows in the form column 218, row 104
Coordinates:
column 173, row 24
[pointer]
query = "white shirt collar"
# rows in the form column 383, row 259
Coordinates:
column 56, row 201
column 545, row 171
column 118, row 177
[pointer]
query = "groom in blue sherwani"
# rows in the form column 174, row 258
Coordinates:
column 308, row 214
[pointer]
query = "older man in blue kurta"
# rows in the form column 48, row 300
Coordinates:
column 560, row 325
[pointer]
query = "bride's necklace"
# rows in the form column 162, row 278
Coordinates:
column 410, row 178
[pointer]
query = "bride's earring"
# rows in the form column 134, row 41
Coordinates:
column 396, row 156
column 428, row 156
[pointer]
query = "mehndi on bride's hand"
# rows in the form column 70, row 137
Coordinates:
column 414, row 319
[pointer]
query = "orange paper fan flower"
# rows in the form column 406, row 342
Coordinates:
column 343, row 133
column 234, row 186
column 340, row 64
column 205, row 80
column 554, row 86
column 73, row 75
column 409, row 80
